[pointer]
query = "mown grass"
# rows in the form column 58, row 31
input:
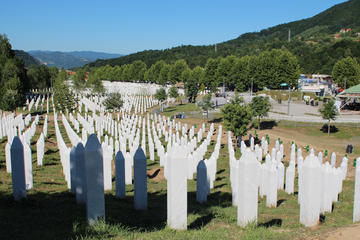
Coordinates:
column 50, row 210
column 183, row 108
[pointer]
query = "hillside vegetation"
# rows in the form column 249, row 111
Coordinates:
column 312, row 43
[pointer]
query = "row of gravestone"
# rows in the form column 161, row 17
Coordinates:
column 137, row 104
column 319, row 183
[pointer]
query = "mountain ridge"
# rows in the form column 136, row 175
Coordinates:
column 69, row 59
column 320, row 27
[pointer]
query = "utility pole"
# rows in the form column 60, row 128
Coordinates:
column 289, row 36
column 251, row 92
column 288, row 110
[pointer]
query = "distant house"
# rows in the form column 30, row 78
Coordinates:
column 345, row 30
column 70, row 73
column 337, row 36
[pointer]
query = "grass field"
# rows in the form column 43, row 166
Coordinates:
column 50, row 210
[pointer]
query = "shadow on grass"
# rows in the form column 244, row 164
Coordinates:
column 333, row 129
column 215, row 120
column 273, row 222
column 267, row 124
column 279, row 202
column 50, row 151
column 57, row 216
column 154, row 174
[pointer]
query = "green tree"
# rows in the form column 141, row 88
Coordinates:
column 206, row 104
column 39, row 77
column 137, row 71
column 174, row 92
column 210, row 76
column 53, row 71
column 260, row 107
column 164, row 74
column 176, row 70
column 237, row 117
column 191, row 86
column 64, row 99
column 346, row 72
column 79, row 82
column 13, row 79
column 329, row 112
column 12, row 97
column 95, row 83
column 161, row 96
column 225, row 70
column 240, row 74
column 113, row 101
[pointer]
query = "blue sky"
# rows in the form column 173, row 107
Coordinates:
column 135, row 25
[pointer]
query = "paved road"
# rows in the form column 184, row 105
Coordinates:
column 305, row 113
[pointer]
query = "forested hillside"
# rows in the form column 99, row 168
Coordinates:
column 27, row 58
column 312, row 42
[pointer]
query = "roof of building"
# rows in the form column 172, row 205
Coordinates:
column 351, row 92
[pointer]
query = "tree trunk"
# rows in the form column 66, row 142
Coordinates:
column 329, row 128
column 259, row 124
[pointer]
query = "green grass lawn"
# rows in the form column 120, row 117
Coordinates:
column 183, row 108
column 50, row 210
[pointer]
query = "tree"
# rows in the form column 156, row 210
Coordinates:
column 39, row 77
column 210, row 76
column 53, row 71
column 13, row 79
column 346, row 72
column 206, row 104
column 161, row 96
column 176, row 70
column 260, row 107
column 237, row 117
column 192, row 84
column 240, row 75
column 164, row 74
column 137, row 70
column 79, row 82
column 12, row 97
column 94, row 82
column 64, row 99
column 329, row 112
column 113, row 101
column 173, row 92
column 225, row 70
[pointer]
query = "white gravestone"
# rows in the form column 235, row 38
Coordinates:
column 80, row 173
column 177, row 190
column 202, row 188
column 248, row 185
column 120, row 175
column 140, row 180
column 18, row 169
column 356, row 211
column 95, row 202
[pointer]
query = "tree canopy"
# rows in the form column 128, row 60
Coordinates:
column 13, row 79
column 161, row 94
column 64, row 99
column 113, row 101
column 206, row 104
column 329, row 112
column 260, row 107
column 237, row 116
column 346, row 72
